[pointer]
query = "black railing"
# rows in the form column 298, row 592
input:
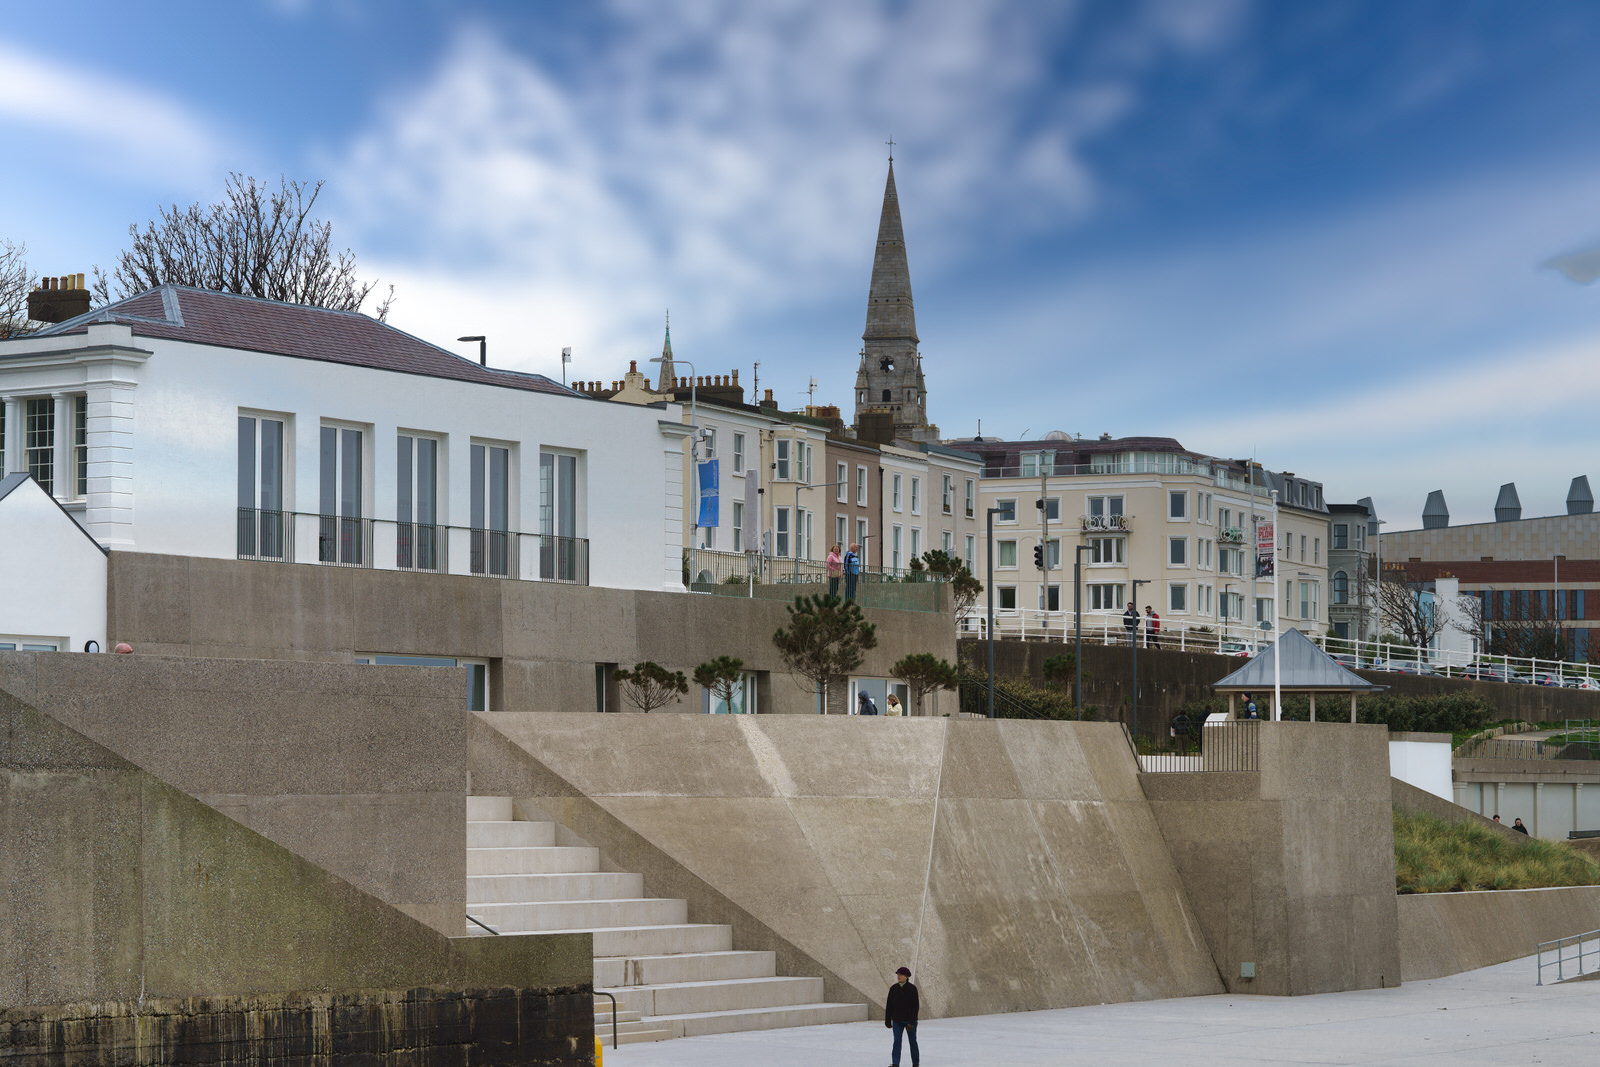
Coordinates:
column 493, row 552
column 419, row 547
column 267, row 535
column 343, row 541
column 564, row 559
column 1192, row 746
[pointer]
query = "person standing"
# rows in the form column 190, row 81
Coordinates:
column 1130, row 622
column 1250, row 707
column 852, row 571
column 835, row 569
column 1516, row 825
column 1152, row 627
column 900, row 1015
column 893, row 707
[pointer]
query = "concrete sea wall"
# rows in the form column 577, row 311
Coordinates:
column 1446, row 933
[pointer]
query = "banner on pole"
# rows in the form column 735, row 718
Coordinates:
column 1266, row 549
column 708, row 493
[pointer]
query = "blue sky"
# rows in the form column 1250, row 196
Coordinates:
column 1309, row 231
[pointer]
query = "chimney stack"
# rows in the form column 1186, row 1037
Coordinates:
column 59, row 299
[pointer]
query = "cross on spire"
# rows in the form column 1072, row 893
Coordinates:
column 890, row 143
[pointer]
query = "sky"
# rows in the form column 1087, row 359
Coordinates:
column 1319, row 234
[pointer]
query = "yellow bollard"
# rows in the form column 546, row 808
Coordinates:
column 599, row 1053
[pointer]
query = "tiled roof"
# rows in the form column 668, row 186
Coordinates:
column 227, row 320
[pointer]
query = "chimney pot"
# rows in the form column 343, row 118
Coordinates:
column 735, row 377
column 633, row 366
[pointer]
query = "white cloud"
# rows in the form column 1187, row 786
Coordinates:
column 724, row 158
column 112, row 124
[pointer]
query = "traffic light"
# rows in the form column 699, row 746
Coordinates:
column 1038, row 556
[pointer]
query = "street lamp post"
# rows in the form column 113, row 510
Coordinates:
column 1077, row 624
column 694, row 465
column 1137, row 582
column 989, row 629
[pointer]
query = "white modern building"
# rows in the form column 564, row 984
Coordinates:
column 52, row 574
column 194, row 423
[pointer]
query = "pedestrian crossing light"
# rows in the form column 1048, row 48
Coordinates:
column 1038, row 556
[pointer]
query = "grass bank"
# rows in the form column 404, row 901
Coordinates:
column 1435, row 856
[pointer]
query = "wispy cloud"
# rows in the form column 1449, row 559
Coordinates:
column 725, row 158
column 111, row 124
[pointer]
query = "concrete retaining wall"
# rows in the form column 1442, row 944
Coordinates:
column 1446, row 933
column 1013, row 865
column 116, row 886
column 543, row 639
column 361, row 770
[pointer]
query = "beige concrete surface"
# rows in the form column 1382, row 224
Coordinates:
column 543, row 638
column 1447, row 933
column 1487, row 1018
column 1291, row 869
column 114, row 884
column 360, row 770
column 1013, row 864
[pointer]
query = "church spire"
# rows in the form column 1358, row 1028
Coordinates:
column 889, row 310
column 669, row 374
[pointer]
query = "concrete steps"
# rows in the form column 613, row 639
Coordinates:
column 671, row 977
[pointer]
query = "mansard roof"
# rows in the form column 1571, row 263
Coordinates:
column 227, row 320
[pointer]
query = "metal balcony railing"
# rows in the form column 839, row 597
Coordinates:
column 563, row 559
column 265, row 535
column 420, row 547
column 1105, row 523
column 343, row 541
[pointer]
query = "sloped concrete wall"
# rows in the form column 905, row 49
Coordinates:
column 1447, row 933
column 116, row 886
column 1012, row 865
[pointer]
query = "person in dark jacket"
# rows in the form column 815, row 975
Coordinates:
column 900, row 1014
column 1519, row 828
column 1130, row 622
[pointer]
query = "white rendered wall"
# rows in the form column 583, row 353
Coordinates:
column 52, row 577
column 1424, row 764
column 163, row 470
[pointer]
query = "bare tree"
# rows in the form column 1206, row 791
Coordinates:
column 1403, row 611
column 16, row 282
column 256, row 241
column 1527, row 631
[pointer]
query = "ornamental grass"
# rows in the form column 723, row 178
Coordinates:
column 1432, row 855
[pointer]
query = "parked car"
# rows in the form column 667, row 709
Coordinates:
column 1401, row 666
column 1545, row 678
column 1495, row 672
column 1580, row 682
column 1350, row 661
column 1235, row 647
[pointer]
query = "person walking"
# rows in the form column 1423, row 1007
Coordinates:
column 1130, row 622
column 852, row 571
column 893, row 707
column 1152, row 627
column 1250, row 707
column 900, row 1015
column 835, row 569
column 864, row 704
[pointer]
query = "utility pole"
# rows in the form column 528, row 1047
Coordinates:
column 1137, row 582
column 989, row 629
column 1077, row 625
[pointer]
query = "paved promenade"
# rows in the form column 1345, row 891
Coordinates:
column 1492, row 1016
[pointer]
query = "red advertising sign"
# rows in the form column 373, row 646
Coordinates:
column 1266, row 549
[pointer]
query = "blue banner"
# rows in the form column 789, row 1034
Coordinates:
column 708, row 493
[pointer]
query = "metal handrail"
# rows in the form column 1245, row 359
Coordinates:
column 1559, row 946
column 483, row 924
column 603, row 993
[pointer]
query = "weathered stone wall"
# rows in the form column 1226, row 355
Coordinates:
column 1012, row 865
column 543, row 638
column 1447, row 933
column 413, row 1028
column 360, row 770
column 1291, row 868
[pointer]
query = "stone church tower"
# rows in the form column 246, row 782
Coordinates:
column 889, row 384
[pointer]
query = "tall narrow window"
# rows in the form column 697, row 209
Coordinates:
column 862, row 530
column 841, row 477
column 969, row 497
column 895, row 482
column 491, row 512
column 916, row 496
column 39, row 443
column 262, row 522
column 738, row 453
column 738, row 526
column 80, row 446
column 895, row 544
column 948, row 497
column 780, row 458
column 840, row 530
column 559, row 548
column 780, row 530
column 419, row 541
column 342, row 537
column 861, row 486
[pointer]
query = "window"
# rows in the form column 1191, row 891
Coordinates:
column 916, row 542
column 861, row 538
column 1037, row 463
column 841, row 475
column 708, row 435
column 1049, row 598
column 1109, row 596
column 895, row 543
column 781, row 529
column 1263, row 611
column 1177, row 506
column 780, row 455
column 1005, row 553
column 1052, row 554
column 969, row 498
column 895, row 497
column 1052, row 509
column 1108, row 550
column 1341, row 587
column 840, row 531
column 80, row 446
column 1288, row 541
column 738, row 453
column 341, row 532
column 39, row 441
column 738, row 526
column 803, row 541
column 561, row 556
column 1316, row 550
column 1178, row 551
column 1006, row 597
column 262, row 522
column 1104, row 513
column 419, row 541
column 861, row 487
column 1005, row 511
column 948, row 497
column 1341, row 535
column 972, row 546
column 1309, row 606
column 803, row 454
column 1302, row 548
column 1177, row 597
column 490, row 508
column 916, row 495
column 1361, row 535
column 948, row 542
column 744, row 698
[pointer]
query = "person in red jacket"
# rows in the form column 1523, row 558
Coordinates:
column 1152, row 627
column 900, row 1014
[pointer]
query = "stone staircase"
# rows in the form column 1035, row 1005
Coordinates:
column 671, row 977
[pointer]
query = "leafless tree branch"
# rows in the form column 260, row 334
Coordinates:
column 16, row 282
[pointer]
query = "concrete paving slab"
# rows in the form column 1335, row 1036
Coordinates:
column 1491, row 1016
